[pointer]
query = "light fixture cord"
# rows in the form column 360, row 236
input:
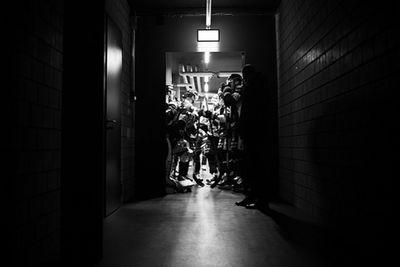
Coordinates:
column 208, row 14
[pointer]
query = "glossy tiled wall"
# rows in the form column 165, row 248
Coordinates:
column 39, row 33
column 337, row 78
column 38, row 89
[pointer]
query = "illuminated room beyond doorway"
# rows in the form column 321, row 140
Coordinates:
column 193, row 83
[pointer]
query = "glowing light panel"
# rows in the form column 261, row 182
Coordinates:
column 207, row 35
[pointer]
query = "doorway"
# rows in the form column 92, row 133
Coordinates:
column 113, row 83
column 194, row 84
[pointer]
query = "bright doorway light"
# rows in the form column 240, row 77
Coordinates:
column 207, row 46
column 206, row 87
column 206, row 57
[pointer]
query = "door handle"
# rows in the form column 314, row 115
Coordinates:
column 109, row 127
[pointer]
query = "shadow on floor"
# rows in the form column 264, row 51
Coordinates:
column 308, row 235
column 339, row 247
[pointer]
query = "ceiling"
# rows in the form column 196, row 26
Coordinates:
column 197, row 7
column 146, row 5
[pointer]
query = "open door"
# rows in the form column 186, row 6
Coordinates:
column 113, row 83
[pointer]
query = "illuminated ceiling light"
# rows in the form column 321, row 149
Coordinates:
column 226, row 74
column 207, row 34
column 205, row 74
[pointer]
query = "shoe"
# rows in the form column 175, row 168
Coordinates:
column 198, row 181
column 224, row 178
column 215, row 183
column 216, row 180
column 197, row 176
column 238, row 180
column 221, row 182
column 185, row 182
column 237, row 189
column 252, row 205
column 244, row 202
column 257, row 204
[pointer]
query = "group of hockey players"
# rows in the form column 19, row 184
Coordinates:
column 196, row 135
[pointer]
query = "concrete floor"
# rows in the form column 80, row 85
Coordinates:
column 203, row 228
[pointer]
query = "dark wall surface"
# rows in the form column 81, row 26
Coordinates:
column 55, row 124
column 82, row 162
column 35, row 48
column 156, row 35
column 337, row 116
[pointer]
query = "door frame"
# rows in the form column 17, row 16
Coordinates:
column 108, row 20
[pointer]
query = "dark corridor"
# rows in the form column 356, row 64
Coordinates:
column 329, row 113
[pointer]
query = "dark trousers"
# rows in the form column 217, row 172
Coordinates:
column 255, row 172
column 222, row 156
column 183, row 168
column 212, row 162
column 196, row 161
column 212, row 154
column 237, row 162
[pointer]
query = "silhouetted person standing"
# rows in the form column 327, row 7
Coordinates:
column 253, row 135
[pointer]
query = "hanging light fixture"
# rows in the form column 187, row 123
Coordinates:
column 208, row 14
column 207, row 34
